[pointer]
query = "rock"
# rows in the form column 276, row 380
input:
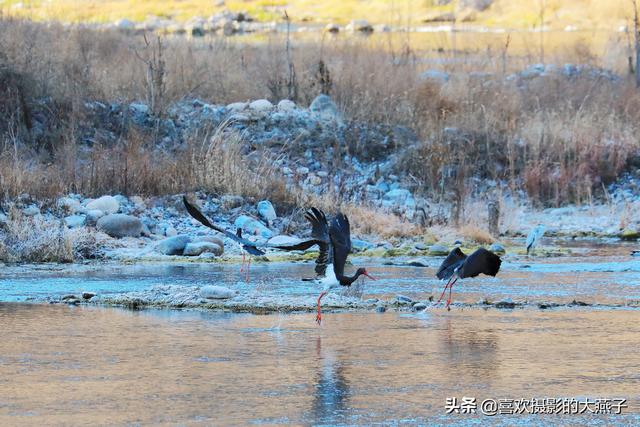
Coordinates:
column 266, row 211
column 313, row 180
column 69, row 205
column 434, row 76
column 421, row 246
column 93, row 216
column 198, row 248
column 32, row 210
column 216, row 292
column 68, row 297
column 120, row 225
column 74, row 221
column 630, row 234
column 286, row 105
column 125, row 25
column 438, row 250
column 302, row 170
column 106, row 204
column 3, row 220
column 169, row 230
column 403, row 299
column 381, row 309
column 497, row 248
column 417, row 262
column 359, row 25
column 261, row 105
column 236, row 107
column 419, row 306
column 230, row 201
column 358, row 245
column 325, row 109
column 173, row 245
column 88, row 295
column 253, row 226
column 398, row 197
column 332, row 28
column 210, row 239
column 283, row 240
column 635, row 253
column 138, row 202
column 505, row 303
column 475, row 5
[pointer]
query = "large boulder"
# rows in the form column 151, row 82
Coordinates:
column 199, row 248
column 173, row 245
column 261, row 106
column 106, row 204
column 210, row 239
column 120, row 225
column 325, row 109
column 253, row 226
column 266, row 211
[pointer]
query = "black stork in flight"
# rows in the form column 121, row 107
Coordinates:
column 334, row 243
column 457, row 265
column 247, row 245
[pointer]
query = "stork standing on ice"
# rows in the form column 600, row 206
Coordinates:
column 334, row 243
column 457, row 265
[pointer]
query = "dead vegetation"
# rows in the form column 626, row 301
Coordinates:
column 559, row 140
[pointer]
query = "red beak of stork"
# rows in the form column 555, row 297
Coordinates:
column 368, row 275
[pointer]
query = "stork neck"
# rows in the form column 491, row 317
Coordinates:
column 348, row 280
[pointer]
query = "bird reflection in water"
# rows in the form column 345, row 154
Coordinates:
column 331, row 395
column 470, row 351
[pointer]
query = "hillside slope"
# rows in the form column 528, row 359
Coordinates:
column 400, row 13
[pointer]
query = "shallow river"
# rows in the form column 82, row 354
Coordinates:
column 65, row 365
column 85, row 366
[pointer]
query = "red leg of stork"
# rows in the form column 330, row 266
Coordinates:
column 319, row 316
column 444, row 290
column 242, row 266
column 449, row 299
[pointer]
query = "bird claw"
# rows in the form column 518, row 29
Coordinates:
column 319, row 319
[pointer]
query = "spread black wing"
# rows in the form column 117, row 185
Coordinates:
column 319, row 236
column 454, row 260
column 248, row 245
column 340, row 235
column 482, row 261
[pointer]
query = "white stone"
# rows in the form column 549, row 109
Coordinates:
column 261, row 105
column 106, row 204
column 286, row 105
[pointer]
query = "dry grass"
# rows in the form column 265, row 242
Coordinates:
column 34, row 239
column 39, row 239
column 473, row 233
column 559, row 140
column 369, row 221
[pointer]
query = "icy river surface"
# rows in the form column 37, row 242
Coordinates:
column 86, row 365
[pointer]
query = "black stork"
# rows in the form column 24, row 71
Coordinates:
column 457, row 265
column 247, row 245
column 334, row 243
